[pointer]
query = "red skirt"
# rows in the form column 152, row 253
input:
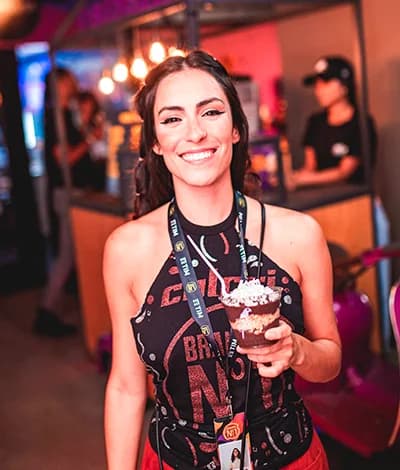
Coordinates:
column 314, row 459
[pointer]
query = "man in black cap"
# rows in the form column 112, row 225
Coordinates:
column 332, row 142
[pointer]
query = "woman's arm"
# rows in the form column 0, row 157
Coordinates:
column 74, row 153
column 126, row 390
column 310, row 160
column 317, row 355
column 313, row 177
column 310, row 165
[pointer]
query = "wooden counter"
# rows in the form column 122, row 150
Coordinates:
column 346, row 219
column 349, row 224
column 91, row 229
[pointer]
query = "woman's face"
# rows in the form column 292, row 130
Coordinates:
column 86, row 110
column 329, row 92
column 193, row 128
column 67, row 88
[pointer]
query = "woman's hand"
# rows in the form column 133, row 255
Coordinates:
column 272, row 360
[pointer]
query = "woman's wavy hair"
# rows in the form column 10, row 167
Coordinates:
column 153, row 180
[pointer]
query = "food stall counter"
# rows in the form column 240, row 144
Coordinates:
column 343, row 211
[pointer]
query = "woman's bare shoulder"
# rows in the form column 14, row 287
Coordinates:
column 282, row 223
column 295, row 226
column 138, row 235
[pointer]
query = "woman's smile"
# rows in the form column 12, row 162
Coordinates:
column 197, row 156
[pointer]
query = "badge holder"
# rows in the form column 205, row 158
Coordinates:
column 233, row 440
column 230, row 434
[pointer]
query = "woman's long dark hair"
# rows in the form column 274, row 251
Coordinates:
column 233, row 456
column 153, row 180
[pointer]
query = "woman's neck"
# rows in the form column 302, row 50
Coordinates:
column 205, row 206
column 340, row 112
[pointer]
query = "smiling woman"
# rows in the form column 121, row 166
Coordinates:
column 195, row 138
column 154, row 180
column 211, row 394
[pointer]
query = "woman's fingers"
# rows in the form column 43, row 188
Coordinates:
column 282, row 355
column 278, row 332
column 274, row 358
column 271, row 369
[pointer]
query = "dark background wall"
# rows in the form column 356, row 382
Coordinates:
column 29, row 268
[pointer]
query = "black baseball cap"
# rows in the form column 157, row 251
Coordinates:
column 329, row 67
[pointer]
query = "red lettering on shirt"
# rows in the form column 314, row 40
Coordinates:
column 167, row 297
column 201, row 389
column 189, row 344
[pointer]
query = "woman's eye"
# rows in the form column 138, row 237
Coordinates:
column 213, row 112
column 170, row 120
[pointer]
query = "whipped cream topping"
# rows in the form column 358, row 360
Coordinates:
column 250, row 293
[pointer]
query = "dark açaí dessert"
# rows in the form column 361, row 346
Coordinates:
column 252, row 309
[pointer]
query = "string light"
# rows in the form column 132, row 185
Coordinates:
column 157, row 52
column 120, row 71
column 106, row 84
column 174, row 51
column 139, row 68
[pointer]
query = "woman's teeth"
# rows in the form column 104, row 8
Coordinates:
column 191, row 157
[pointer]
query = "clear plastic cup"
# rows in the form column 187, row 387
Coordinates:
column 250, row 316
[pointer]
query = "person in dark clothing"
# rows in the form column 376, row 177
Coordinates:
column 194, row 144
column 47, row 322
column 91, row 123
column 332, row 140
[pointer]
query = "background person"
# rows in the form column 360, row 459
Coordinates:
column 332, row 141
column 47, row 322
column 92, row 125
column 195, row 148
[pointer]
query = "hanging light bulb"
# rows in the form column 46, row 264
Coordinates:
column 139, row 68
column 174, row 51
column 120, row 71
column 157, row 52
column 106, row 84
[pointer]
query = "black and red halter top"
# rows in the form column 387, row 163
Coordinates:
column 190, row 383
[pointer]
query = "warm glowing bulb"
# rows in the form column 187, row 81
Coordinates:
column 157, row 52
column 120, row 72
column 139, row 68
column 173, row 51
column 106, row 85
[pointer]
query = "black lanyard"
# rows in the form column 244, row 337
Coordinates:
column 241, row 209
column 189, row 279
column 195, row 298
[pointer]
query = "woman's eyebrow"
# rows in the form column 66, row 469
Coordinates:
column 208, row 101
column 170, row 108
column 198, row 105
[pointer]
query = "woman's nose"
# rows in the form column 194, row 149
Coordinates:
column 196, row 131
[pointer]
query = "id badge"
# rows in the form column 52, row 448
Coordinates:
column 228, row 433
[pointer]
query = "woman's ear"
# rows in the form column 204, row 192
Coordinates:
column 235, row 136
column 156, row 148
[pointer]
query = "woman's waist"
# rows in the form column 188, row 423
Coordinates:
column 201, row 420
